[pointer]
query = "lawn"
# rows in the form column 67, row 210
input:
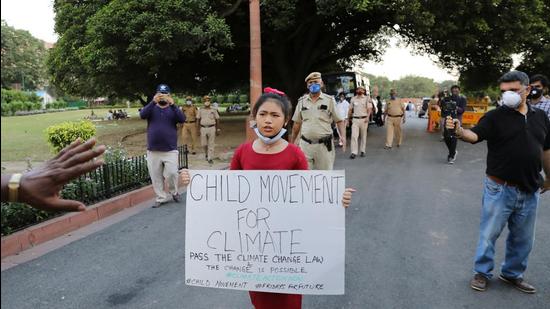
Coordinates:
column 23, row 136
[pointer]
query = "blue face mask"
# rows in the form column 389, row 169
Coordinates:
column 314, row 88
column 269, row 140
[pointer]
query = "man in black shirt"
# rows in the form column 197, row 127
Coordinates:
column 518, row 141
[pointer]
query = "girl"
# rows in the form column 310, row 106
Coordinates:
column 270, row 152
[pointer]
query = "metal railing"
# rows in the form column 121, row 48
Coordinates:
column 115, row 178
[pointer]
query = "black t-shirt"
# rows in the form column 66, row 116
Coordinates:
column 515, row 143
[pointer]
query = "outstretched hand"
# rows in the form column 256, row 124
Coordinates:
column 40, row 187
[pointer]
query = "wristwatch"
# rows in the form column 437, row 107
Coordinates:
column 13, row 187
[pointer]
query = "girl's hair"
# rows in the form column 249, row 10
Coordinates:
column 281, row 100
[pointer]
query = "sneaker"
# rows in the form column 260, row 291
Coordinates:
column 479, row 282
column 362, row 154
column 352, row 156
column 387, row 147
column 157, row 204
column 193, row 153
column 176, row 198
column 456, row 152
column 519, row 284
column 450, row 160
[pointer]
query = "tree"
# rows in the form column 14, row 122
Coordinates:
column 23, row 59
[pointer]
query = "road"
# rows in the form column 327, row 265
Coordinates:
column 411, row 233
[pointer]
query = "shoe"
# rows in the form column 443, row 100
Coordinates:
column 479, row 283
column 450, row 160
column 352, row 156
column 157, row 204
column 519, row 284
column 398, row 145
column 176, row 198
column 193, row 153
column 454, row 157
column 362, row 154
column 210, row 162
column 387, row 147
column 206, row 158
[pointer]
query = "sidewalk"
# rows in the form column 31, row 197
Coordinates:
column 37, row 240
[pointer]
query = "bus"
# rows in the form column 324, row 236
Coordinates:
column 344, row 82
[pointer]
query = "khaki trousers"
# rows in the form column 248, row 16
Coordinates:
column 163, row 165
column 393, row 126
column 359, row 135
column 318, row 157
column 208, row 138
column 189, row 135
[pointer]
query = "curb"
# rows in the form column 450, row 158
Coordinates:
column 48, row 230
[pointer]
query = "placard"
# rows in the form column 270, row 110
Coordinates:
column 271, row 231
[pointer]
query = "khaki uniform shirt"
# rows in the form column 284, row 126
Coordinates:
column 208, row 116
column 190, row 112
column 316, row 118
column 360, row 105
column 394, row 108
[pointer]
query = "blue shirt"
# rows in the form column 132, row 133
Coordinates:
column 162, row 133
column 544, row 104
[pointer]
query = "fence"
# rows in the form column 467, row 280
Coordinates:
column 115, row 178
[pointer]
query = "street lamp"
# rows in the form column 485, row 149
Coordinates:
column 255, row 61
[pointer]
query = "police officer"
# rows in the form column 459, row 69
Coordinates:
column 359, row 112
column 393, row 117
column 313, row 117
column 190, row 127
column 208, row 118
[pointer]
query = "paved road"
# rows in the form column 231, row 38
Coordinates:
column 411, row 233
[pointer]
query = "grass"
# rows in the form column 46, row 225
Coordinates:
column 23, row 137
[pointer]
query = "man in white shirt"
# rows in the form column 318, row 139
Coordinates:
column 342, row 106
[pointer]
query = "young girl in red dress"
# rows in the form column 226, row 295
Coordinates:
column 270, row 152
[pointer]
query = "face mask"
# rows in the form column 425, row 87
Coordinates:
column 189, row 102
column 511, row 99
column 270, row 140
column 314, row 88
column 535, row 93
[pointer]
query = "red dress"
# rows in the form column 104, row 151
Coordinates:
column 291, row 158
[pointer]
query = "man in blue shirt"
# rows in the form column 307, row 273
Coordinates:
column 162, row 137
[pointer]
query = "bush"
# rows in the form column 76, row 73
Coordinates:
column 16, row 106
column 61, row 135
column 220, row 98
column 6, row 109
column 16, row 216
column 28, row 106
column 9, row 96
column 231, row 98
column 243, row 98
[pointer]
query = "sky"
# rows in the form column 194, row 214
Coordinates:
column 37, row 17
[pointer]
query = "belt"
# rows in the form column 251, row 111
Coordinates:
column 501, row 181
column 316, row 141
column 360, row 117
column 190, row 121
column 207, row 126
column 396, row 116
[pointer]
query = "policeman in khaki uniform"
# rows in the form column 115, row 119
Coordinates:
column 208, row 118
column 360, row 108
column 189, row 130
column 312, row 118
column 394, row 116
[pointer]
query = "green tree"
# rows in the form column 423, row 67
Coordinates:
column 23, row 58
column 415, row 87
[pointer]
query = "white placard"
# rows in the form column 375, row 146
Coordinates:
column 271, row 231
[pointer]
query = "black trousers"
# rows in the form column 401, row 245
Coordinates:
column 451, row 142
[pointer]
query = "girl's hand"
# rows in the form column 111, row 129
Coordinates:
column 185, row 178
column 346, row 199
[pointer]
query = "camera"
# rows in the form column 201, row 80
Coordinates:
column 449, row 108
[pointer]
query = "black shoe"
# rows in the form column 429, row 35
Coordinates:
column 210, row 162
column 352, row 156
column 362, row 154
column 387, row 147
column 176, row 198
column 193, row 153
column 519, row 284
column 479, row 282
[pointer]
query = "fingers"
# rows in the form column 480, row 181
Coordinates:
column 83, row 155
column 66, row 205
column 68, row 174
column 63, row 151
column 77, row 149
column 346, row 198
column 185, row 178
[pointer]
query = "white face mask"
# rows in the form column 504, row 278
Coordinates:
column 511, row 99
column 269, row 140
column 189, row 102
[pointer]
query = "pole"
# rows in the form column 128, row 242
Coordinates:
column 255, row 61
